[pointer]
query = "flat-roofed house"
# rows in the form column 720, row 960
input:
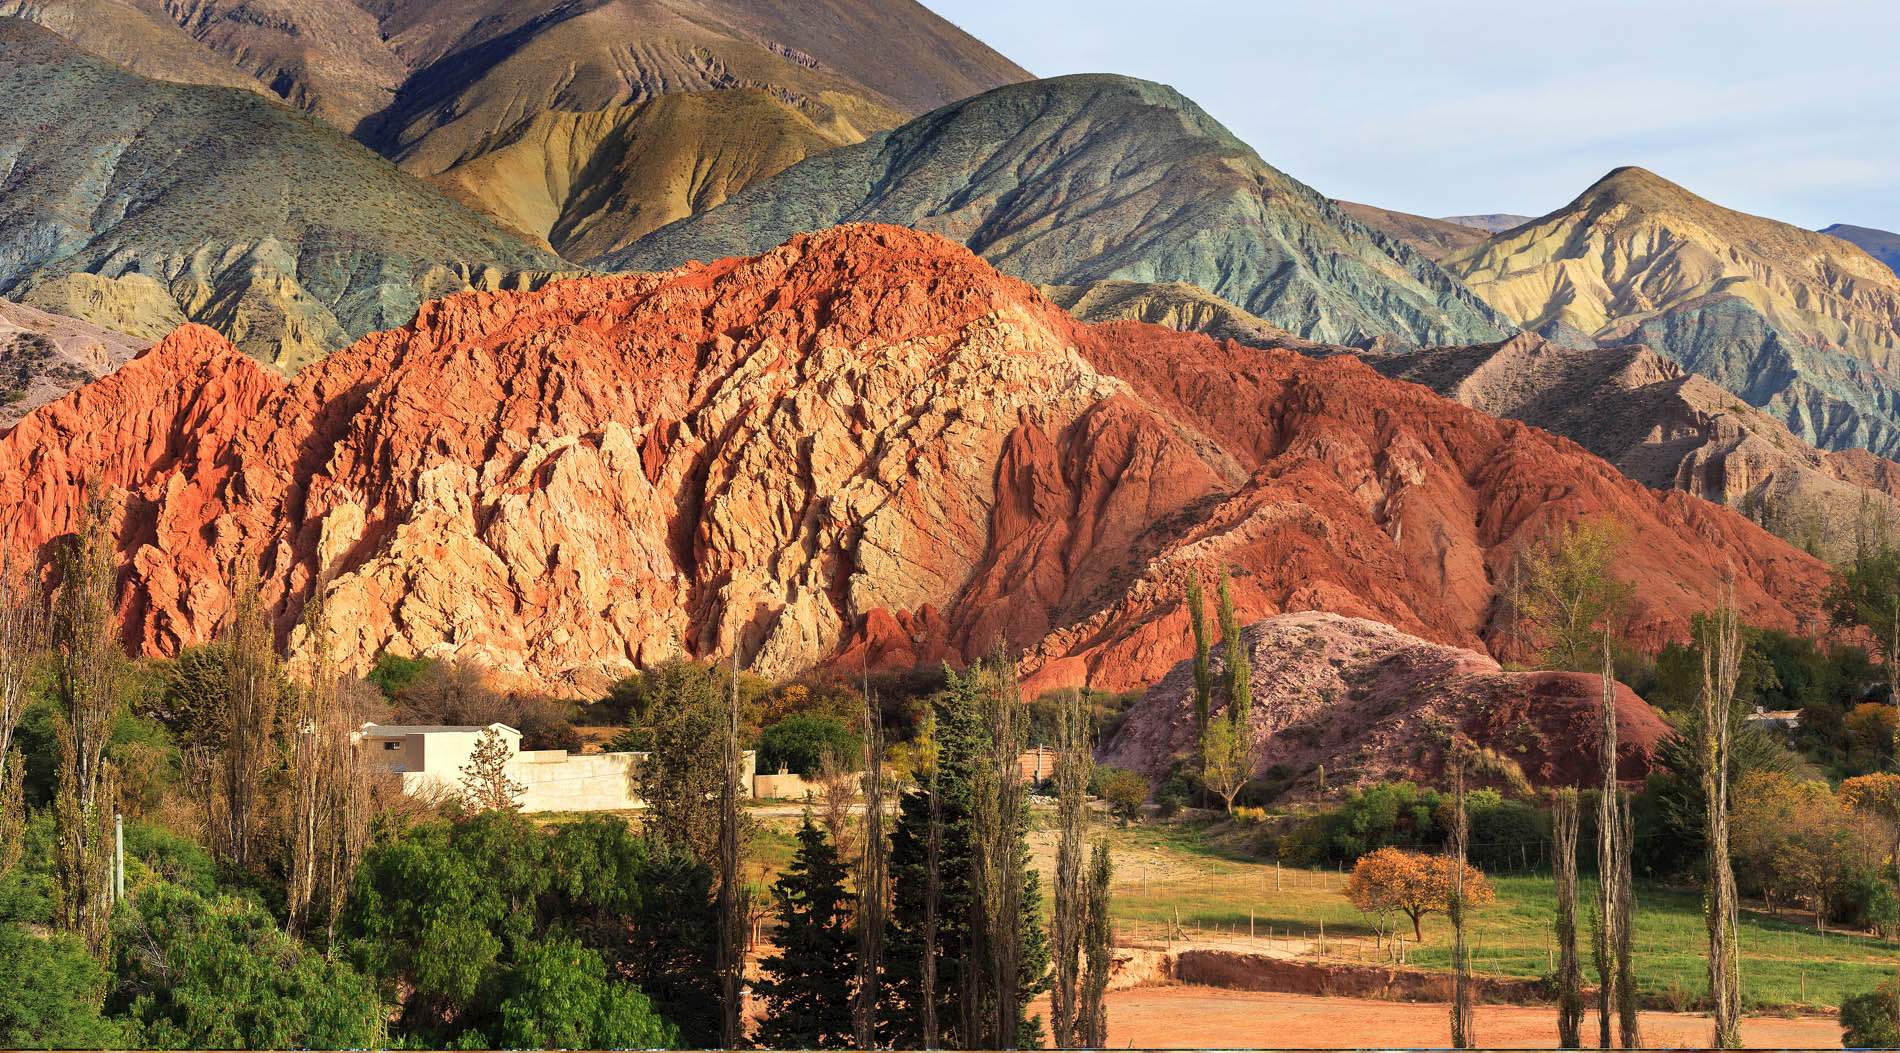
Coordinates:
column 430, row 758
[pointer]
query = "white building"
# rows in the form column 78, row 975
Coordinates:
column 430, row 758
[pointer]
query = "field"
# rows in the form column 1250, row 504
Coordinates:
column 1177, row 881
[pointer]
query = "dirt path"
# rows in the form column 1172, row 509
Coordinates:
column 1209, row 1017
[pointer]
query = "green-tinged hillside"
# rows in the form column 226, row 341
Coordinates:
column 126, row 200
column 1080, row 179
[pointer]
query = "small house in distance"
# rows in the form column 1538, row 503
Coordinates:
column 430, row 758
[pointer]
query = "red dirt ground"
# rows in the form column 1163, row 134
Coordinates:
column 1213, row 1018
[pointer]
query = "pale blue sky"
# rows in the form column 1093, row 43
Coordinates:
column 1784, row 108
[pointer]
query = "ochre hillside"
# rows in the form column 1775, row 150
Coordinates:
column 1797, row 322
column 865, row 444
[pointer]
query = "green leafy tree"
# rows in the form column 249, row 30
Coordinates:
column 217, row 973
column 1225, row 761
column 1567, row 589
column 1239, row 665
column 54, row 993
column 679, row 778
column 559, row 997
column 1203, row 675
column 801, row 743
column 807, row 986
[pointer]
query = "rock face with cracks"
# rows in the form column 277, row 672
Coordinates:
column 1371, row 703
column 862, row 446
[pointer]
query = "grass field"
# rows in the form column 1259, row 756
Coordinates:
column 1166, row 872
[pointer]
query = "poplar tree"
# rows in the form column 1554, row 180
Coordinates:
column 1605, row 940
column 1455, row 909
column 1721, row 668
column 330, row 779
column 807, row 986
column 1203, row 671
column 251, row 707
column 1629, row 1025
column 1097, row 943
column 1074, row 764
column 731, row 902
column 999, row 826
column 1566, row 817
column 88, row 676
column 1239, row 667
column 932, row 887
column 20, row 625
column 873, row 879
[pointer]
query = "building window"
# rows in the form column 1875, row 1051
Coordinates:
column 392, row 745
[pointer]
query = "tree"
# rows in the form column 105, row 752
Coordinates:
column 1226, row 760
column 998, row 813
column 1098, row 941
column 1877, row 797
column 1413, row 884
column 1610, row 851
column 801, row 743
column 1566, row 817
column 873, row 881
column 1566, row 589
column 486, row 784
column 88, row 676
column 807, row 986
column 1455, row 906
column 1628, row 1019
column 1865, row 594
column 1871, row 1020
column 1239, row 666
column 1074, row 765
column 331, row 785
column 1721, row 665
column 19, row 642
column 932, row 760
column 559, row 997
column 732, row 903
column 680, row 777
column 1203, row 675
column 253, row 692
column 956, row 1006
column 200, row 972
column 54, row 994
column 1124, row 791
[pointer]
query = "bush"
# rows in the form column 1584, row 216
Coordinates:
column 1867, row 901
column 393, row 674
column 1391, row 814
column 1124, row 791
column 54, row 991
column 1250, row 816
column 800, row 744
column 1505, row 835
column 1872, row 1020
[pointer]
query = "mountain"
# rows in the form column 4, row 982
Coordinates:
column 588, row 183
column 864, row 447
column 1666, row 428
column 43, row 356
column 1362, row 703
column 1436, row 238
column 1490, row 222
column 438, row 87
column 1177, row 305
column 137, row 203
column 1088, row 178
column 1801, row 324
column 1883, row 245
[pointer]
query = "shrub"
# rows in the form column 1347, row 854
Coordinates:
column 800, row 744
column 1250, row 816
column 1124, row 791
column 1871, row 1020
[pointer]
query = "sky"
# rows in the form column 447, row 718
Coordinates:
column 1782, row 108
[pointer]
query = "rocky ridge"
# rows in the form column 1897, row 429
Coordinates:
column 864, row 446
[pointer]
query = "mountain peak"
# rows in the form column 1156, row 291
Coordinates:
column 1636, row 186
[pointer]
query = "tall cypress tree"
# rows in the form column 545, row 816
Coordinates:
column 807, row 986
column 1239, row 667
column 959, row 729
column 1203, row 675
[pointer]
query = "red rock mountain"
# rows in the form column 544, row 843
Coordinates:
column 865, row 444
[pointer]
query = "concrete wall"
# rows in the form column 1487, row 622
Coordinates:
column 785, row 787
column 551, row 780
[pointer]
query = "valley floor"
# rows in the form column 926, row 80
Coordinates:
column 1215, row 1018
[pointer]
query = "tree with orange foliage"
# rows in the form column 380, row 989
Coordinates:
column 1878, row 798
column 1413, row 884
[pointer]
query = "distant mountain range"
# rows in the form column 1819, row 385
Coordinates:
column 1883, row 245
column 1799, row 323
column 1090, row 178
column 139, row 204
column 1490, row 223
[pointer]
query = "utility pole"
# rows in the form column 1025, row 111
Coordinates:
column 118, row 856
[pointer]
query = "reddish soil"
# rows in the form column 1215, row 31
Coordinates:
column 1213, row 1018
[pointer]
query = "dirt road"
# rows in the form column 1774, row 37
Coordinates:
column 1209, row 1017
